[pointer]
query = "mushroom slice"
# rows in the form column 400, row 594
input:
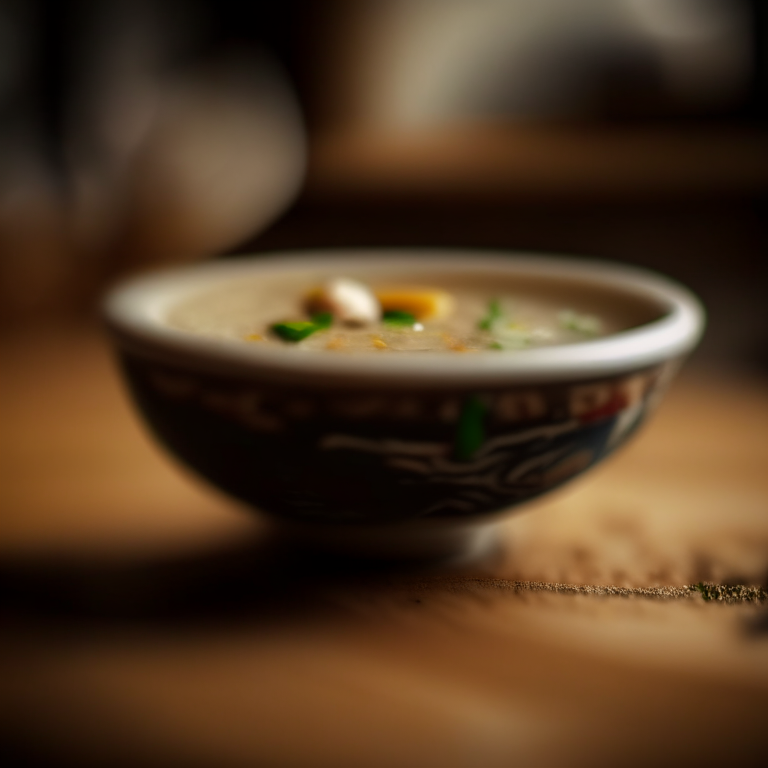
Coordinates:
column 349, row 301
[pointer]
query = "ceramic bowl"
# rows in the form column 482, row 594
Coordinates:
column 361, row 453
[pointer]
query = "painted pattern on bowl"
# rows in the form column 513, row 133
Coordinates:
column 364, row 454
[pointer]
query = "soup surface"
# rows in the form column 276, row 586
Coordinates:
column 425, row 313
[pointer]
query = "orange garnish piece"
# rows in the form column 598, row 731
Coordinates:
column 337, row 342
column 422, row 303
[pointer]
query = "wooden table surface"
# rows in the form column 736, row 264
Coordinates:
column 148, row 620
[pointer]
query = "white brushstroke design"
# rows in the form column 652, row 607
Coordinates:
column 330, row 442
column 626, row 420
column 410, row 465
column 446, row 466
column 503, row 468
column 545, row 433
column 524, row 468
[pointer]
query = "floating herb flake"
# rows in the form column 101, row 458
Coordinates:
column 513, row 335
column 294, row 331
column 398, row 317
column 588, row 325
column 494, row 314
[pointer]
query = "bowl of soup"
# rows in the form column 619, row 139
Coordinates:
column 396, row 402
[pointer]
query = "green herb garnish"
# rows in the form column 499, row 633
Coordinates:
column 470, row 431
column 322, row 320
column 495, row 345
column 295, row 331
column 299, row 329
column 398, row 317
column 494, row 314
column 584, row 324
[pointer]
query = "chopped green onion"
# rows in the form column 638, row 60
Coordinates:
column 494, row 314
column 495, row 345
column 513, row 338
column 398, row 317
column 322, row 319
column 470, row 431
column 584, row 324
column 300, row 329
column 294, row 331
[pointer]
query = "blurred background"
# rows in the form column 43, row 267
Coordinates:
column 135, row 133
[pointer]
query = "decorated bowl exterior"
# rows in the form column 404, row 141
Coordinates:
column 361, row 454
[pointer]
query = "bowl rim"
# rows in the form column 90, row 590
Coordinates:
column 134, row 310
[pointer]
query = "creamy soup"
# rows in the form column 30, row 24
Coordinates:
column 424, row 314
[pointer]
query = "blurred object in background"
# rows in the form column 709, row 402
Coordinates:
column 418, row 63
column 127, row 137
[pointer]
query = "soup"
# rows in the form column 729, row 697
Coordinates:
column 458, row 314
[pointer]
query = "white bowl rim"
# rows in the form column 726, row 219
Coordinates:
column 135, row 308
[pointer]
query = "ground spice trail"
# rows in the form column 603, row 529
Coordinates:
column 709, row 592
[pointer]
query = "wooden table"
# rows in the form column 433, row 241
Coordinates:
column 147, row 620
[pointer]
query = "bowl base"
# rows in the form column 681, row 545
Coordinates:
column 457, row 542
